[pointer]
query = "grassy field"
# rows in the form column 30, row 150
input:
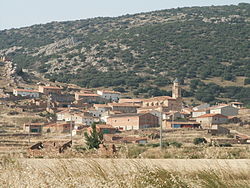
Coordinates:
column 124, row 173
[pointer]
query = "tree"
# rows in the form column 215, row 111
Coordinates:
column 94, row 138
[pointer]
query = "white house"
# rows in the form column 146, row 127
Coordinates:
column 109, row 95
column 26, row 93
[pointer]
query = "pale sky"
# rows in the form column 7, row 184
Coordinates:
column 20, row 13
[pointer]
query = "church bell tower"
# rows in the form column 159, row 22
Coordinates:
column 176, row 90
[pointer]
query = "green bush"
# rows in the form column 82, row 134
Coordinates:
column 225, row 145
column 175, row 144
column 197, row 141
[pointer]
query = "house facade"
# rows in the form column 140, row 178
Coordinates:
column 58, row 128
column 132, row 101
column 124, row 107
column 33, row 127
column 201, row 112
column 88, row 97
column 49, row 90
column 133, row 121
column 207, row 120
column 26, row 93
column 225, row 110
column 175, row 124
column 109, row 95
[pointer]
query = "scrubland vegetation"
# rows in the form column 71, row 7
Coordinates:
column 143, row 52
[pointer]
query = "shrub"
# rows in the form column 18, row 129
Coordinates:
column 199, row 141
column 225, row 145
column 175, row 144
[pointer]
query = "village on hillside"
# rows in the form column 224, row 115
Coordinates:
column 68, row 112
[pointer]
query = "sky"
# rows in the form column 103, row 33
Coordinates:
column 21, row 13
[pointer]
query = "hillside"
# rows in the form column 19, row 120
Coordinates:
column 143, row 52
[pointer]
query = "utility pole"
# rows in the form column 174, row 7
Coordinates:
column 160, row 119
column 71, row 136
column 29, row 133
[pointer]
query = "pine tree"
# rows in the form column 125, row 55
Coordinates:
column 94, row 138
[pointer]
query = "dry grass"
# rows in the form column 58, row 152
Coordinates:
column 121, row 173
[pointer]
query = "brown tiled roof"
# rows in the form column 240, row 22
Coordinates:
column 159, row 98
column 101, row 106
column 212, row 115
column 88, row 94
column 127, row 115
column 123, row 104
column 51, row 87
column 130, row 100
column 27, row 90
column 109, row 91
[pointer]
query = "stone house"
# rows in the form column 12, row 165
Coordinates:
column 89, row 97
column 218, row 130
column 26, row 93
column 50, row 90
column 33, row 127
column 62, row 100
column 225, row 110
column 166, row 101
column 133, row 121
column 207, row 120
column 132, row 101
column 58, row 127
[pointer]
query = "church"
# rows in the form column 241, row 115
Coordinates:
column 173, row 103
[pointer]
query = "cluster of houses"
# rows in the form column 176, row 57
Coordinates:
column 76, row 109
